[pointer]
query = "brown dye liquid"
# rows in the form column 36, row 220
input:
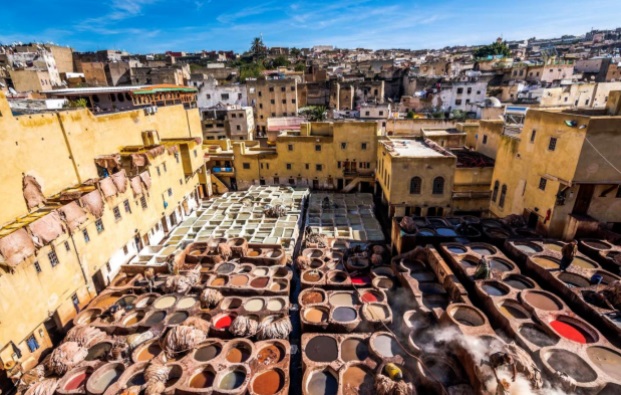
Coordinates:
column 202, row 380
column 315, row 315
column 260, row 282
column 269, row 355
column 358, row 381
column 553, row 247
column 149, row 353
column 239, row 280
column 322, row 349
column 106, row 302
column 512, row 312
column 311, row 277
column 312, row 297
column 237, row 355
column 571, row 364
column 218, row 281
column 207, row 353
column 354, row 350
column 268, row 383
column 541, row 301
column 607, row 360
column 254, row 253
column 322, row 383
column 545, row 262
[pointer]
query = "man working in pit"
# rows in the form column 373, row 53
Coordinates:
column 569, row 252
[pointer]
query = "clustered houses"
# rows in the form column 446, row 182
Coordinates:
column 83, row 194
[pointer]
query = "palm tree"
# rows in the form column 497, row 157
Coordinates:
column 258, row 48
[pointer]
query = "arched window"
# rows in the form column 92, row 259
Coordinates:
column 503, row 195
column 415, row 184
column 495, row 192
column 438, row 186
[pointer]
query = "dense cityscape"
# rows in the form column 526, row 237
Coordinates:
column 317, row 221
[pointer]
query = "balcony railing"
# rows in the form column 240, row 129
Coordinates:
column 219, row 170
column 359, row 173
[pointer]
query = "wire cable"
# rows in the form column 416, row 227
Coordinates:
column 600, row 154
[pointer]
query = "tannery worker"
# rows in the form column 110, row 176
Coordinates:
column 483, row 269
column 519, row 362
column 569, row 252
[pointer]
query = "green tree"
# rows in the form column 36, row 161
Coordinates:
column 300, row 67
column 495, row 48
column 280, row 61
column 410, row 114
column 250, row 70
column 314, row 113
column 295, row 52
column 258, row 48
column 78, row 103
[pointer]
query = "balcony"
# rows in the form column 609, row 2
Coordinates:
column 364, row 173
column 224, row 171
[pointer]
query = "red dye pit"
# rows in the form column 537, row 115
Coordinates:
column 369, row 297
column 568, row 331
column 360, row 280
column 76, row 382
column 224, row 322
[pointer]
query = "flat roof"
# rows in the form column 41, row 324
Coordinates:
column 100, row 89
column 443, row 132
column 411, row 149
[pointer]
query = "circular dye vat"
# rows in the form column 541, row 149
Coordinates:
column 232, row 380
column 231, row 303
column 254, row 305
column 149, row 352
column 446, row 232
column 312, row 297
column 527, row 248
column 573, row 280
column 338, row 277
column 203, row 379
column 541, row 300
column 275, row 305
column 571, row 364
column 376, row 312
column 178, row 317
column 224, row 322
column 426, row 232
column 127, row 300
column 467, row 315
column 238, row 353
column 104, row 378
column 518, row 282
column 512, row 309
column 207, row 352
column 361, row 280
column 254, row 252
column 225, row 268
column 359, row 379
column 155, row 318
column 571, row 332
column 260, row 272
column 164, row 302
column 322, row 383
column 270, row 355
column 98, row 351
column 344, row 314
column 343, row 299
column 219, row 281
column 260, row 282
column 482, row 250
column 76, row 381
column 239, row 280
column 386, row 346
column 370, row 297
column 354, row 349
column 584, row 263
column 322, row 349
column 493, row 289
column 501, row 265
column 133, row 318
column 455, row 249
column 316, row 315
column 278, row 285
column 312, row 276
column 268, row 383
column 468, row 263
column 281, row 272
column 497, row 233
column 384, row 283
column 607, row 360
column 537, row 335
column 186, row 303
column 597, row 245
column 137, row 379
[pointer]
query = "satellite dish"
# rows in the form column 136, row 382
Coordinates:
column 12, row 91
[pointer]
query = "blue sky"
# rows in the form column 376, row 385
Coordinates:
column 143, row 26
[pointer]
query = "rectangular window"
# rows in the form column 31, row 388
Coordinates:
column 292, row 88
column 338, row 164
column 225, row 96
column 552, row 145
column 542, row 184
column 67, row 247
column 99, row 225
column 75, row 300
column 157, row 168
column 117, row 213
column 532, row 136
column 318, row 167
column 307, row 165
column 381, row 113
column 273, row 101
column 458, row 102
column 283, row 88
column 290, row 147
column 37, row 267
column 238, row 127
column 246, row 166
column 288, row 166
column 195, row 154
column 367, row 113
column 276, row 180
column 363, row 146
column 317, row 147
column 169, row 192
column 125, row 251
column 292, row 101
column 128, row 208
column 32, row 343
column 469, row 91
column 85, row 234
column 267, row 166
column 164, row 167
column 284, row 101
column 143, row 202
column 343, row 145
column 53, row 258
column 460, row 91
column 484, row 139
column 271, row 89
column 619, row 192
